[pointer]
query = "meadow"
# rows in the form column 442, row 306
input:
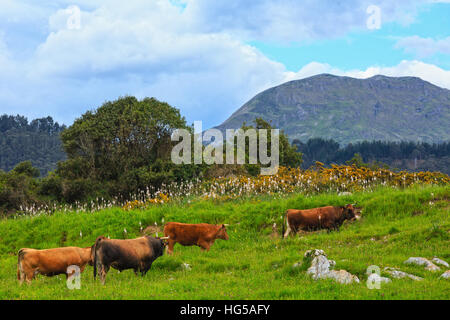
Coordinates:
column 397, row 223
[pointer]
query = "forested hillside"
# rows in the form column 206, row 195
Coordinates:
column 397, row 155
column 37, row 141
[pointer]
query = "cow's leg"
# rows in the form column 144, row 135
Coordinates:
column 145, row 270
column 331, row 228
column 170, row 246
column 29, row 276
column 204, row 245
column 103, row 271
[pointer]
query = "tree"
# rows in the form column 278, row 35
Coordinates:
column 289, row 157
column 125, row 144
column 27, row 169
column 356, row 161
column 18, row 188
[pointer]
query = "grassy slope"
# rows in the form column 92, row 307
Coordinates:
column 251, row 265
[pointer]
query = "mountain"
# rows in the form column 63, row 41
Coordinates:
column 351, row 110
column 37, row 141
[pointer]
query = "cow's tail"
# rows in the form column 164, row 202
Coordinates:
column 20, row 273
column 99, row 239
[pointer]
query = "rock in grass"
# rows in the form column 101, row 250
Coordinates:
column 186, row 266
column 342, row 276
column 440, row 261
column 398, row 274
column 374, row 277
column 320, row 268
column 446, row 275
column 430, row 266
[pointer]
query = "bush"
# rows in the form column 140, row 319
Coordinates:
column 18, row 188
column 51, row 186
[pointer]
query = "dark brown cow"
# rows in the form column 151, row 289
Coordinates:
column 50, row 262
column 202, row 235
column 137, row 254
column 318, row 218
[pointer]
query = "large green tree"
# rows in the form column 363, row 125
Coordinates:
column 123, row 146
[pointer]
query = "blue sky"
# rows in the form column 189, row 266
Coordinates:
column 207, row 58
column 364, row 48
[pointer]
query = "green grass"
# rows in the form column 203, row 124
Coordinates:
column 396, row 225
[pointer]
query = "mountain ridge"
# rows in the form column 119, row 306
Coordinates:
column 350, row 110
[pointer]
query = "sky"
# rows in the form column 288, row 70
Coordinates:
column 207, row 58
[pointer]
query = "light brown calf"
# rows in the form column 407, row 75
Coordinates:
column 50, row 262
column 202, row 235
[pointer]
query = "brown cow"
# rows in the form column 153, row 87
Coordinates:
column 202, row 235
column 318, row 218
column 50, row 262
column 137, row 254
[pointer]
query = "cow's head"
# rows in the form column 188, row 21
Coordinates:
column 349, row 212
column 164, row 241
column 222, row 232
column 161, row 245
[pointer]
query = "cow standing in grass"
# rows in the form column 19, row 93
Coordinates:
column 137, row 254
column 319, row 218
column 50, row 262
column 202, row 235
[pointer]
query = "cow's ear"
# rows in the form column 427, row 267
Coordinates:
column 223, row 226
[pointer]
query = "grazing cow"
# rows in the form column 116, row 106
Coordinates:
column 202, row 235
column 50, row 262
column 318, row 218
column 137, row 254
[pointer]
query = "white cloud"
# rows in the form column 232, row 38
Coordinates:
column 151, row 54
column 424, row 47
column 406, row 68
column 289, row 20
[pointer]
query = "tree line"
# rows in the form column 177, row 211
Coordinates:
column 37, row 141
column 412, row 156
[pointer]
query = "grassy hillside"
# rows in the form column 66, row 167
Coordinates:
column 396, row 225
